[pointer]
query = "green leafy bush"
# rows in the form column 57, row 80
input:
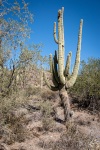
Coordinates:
column 87, row 87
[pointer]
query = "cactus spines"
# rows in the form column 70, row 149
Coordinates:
column 61, row 77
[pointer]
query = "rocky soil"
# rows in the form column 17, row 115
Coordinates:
column 38, row 137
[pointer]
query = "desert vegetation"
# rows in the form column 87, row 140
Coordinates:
column 88, row 95
column 28, row 107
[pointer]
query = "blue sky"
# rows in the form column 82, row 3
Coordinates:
column 45, row 14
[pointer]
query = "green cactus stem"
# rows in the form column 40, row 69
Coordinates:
column 68, row 62
column 55, row 37
column 53, row 88
column 72, row 80
column 50, row 62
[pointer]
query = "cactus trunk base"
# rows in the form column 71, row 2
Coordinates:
column 65, row 103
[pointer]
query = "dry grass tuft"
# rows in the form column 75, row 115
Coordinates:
column 47, row 120
column 30, row 91
column 73, row 139
column 49, row 95
column 12, row 122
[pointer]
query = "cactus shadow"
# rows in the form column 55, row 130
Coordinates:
column 59, row 120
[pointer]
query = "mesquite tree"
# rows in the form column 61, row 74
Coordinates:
column 14, row 29
column 61, row 77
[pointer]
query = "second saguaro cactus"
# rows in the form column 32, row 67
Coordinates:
column 61, row 77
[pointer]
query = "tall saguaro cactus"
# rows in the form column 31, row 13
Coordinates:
column 61, row 77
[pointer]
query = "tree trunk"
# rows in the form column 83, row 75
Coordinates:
column 65, row 103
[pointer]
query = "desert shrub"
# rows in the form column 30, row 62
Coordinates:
column 32, row 91
column 86, row 90
column 14, row 129
column 12, row 124
column 10, row 102
column 69, row 140
column 47, row 120
column 49, row 95
column 72, row 139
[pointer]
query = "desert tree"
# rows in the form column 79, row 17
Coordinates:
column 30, row 59
column 14, row 29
